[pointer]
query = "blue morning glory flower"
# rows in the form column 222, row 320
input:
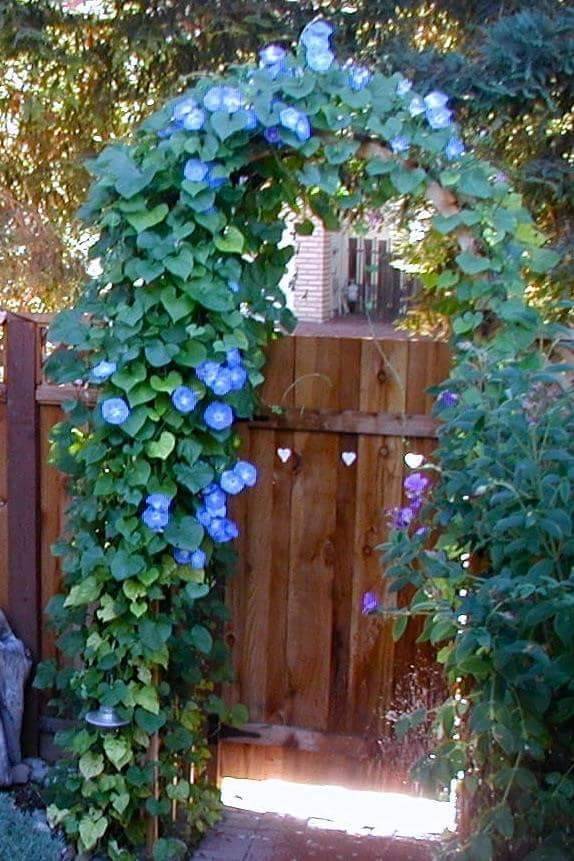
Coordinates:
column 207, row 371
column 289, row 117
column 233, row 357
column 234, row 286
column 400, row 144
column 115, row 411
column 203, row 516
column 316, row 31
column 215, row 499
column 183, row 108
column 231, row 482
column 168, row 131
column 435, row 100
column 184, row 399
column 218, row 416
column 272, row 135
column 215, row 177
column 303, row 128
column 454, row 148
column 404, row 86
column 213, row 99
column 246, row 471
column 231, row 99
column 359, row 77
column 194, row 120
column 237, row 377
column 103, row 370
column 272, row 54
column 196, row 170
column 447, row 399
column 182, row 557
column 439, row 118
column 159, row 501
column 222, row 529
column 198, row 559
column 155, row 520
column 250, row 120
column 320, row 60
column 222, row 383
column 416, row 106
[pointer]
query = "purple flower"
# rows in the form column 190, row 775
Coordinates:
column 401, row 518
column 272, row 135
column 196, row 170
column 195, row 558
column 194, row 120
column 159, row 501
column 203, row 516
column 233, row 357
column 207, row 372
column 435, row 100
column 400, row 144
column 216, row 177
column 404, row 86
column 447, row 399
column 218, row 416
column 246, row 471
column 183, row 108
column 250, row 120
column 416, row 106
column 103, row 371
column 237, row 377
column 370, row 603
column 231, row 482
column 184, row 399
column 155, row 520
column 272, row 54
column 222, row 529
column 415, row 484
column 454, row 148
column 115, row 411
column 297, row 122
column 439, row 118
column 317, row 32
column 222, row 383
column 359, row 77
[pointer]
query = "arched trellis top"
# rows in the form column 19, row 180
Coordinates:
column 191, row 217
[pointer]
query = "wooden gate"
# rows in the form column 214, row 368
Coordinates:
column 321, row 680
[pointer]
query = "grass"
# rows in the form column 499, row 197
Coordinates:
column 20, row 840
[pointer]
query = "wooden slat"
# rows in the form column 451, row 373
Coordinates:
column 3, row 511
column 351, row 422
column 23, row 433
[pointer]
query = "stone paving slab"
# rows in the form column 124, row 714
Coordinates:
column 246, row 836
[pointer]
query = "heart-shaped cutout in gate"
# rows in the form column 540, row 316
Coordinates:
column 349, row 457
column 283, row 454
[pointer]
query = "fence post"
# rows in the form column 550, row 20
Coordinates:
column 23, row 481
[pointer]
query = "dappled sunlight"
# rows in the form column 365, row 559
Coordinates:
column 336, row 807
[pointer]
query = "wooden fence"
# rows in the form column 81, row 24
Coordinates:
column 320, row 680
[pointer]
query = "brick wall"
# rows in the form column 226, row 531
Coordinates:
column 313, row 276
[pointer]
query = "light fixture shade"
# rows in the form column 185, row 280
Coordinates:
column 106, row 717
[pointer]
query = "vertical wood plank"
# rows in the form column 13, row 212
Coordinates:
column 23, row 493
column 311, row 573
column 3, row 510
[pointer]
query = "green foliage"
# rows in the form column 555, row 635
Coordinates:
column 21, row 838
column 190, row 272
column 497, row 590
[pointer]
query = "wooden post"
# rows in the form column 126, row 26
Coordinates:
column 22, row 448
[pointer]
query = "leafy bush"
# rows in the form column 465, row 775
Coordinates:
column 497, row 588
column 20, row 840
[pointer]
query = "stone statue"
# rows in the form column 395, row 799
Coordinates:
column 15, row 665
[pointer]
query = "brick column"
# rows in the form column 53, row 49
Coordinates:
column 313, row 276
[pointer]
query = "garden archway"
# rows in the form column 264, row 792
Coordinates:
column 191, row 214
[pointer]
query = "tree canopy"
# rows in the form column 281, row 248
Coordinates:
column 77, row 75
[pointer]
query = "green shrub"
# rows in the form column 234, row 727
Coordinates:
column 20, row 840
column 497, row 589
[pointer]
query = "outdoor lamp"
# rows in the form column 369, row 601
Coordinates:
column 106, row 717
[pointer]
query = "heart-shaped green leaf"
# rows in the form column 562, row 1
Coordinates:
column 162, row 447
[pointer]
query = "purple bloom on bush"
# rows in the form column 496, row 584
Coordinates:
column 439, row 118
column 155, row 519
column 213, row 99
column 416, row 106
column 359, row 77
column 246, row 471
column 272, row 135
column 415, row 484
column 115, row 411
column 370, row 603
column 400, row 144
column 184, row 399
column 320, row 60
column 159, row 501
column 215, row 499
column 231, row 482
column 103, row 371
column 454, row 148
column 222, row 529
column 435, row 100
column 250, row 120
column 195, row 558
column 203, row 516
column 401, row 518
column 404, row 86
column 297, row 122
column 194, row 120
column 233, row 357
column 447, row 399
column 183, row 108
column 231, row 99
column 272, row 54
column 317, row 33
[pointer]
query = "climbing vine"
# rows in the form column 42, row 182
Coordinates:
column 171, row 338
